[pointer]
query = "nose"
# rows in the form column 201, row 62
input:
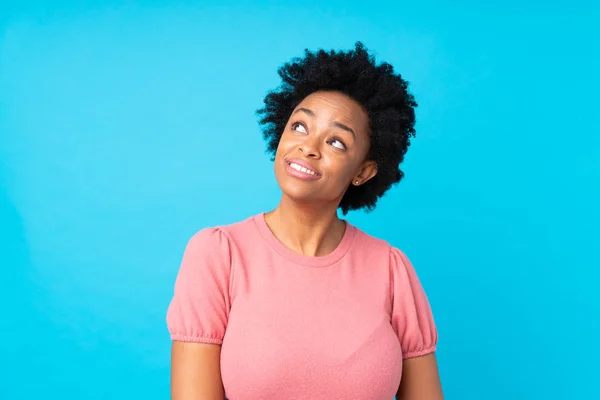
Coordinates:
column 310, row 148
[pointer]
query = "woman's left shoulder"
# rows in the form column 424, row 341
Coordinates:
column 398, row 262
column 378, row 244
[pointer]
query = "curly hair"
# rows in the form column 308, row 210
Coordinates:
column 381, row 92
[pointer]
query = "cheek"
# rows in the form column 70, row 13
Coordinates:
column 284, row 143
column 341, row 174
column 346, row 166
column 281, row 146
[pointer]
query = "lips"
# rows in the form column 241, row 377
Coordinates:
column 302, row 169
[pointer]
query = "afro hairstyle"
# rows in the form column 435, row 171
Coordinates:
column 381, row 92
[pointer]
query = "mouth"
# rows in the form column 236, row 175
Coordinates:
column 301, row 170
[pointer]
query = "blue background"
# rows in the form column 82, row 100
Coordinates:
column 127, row 126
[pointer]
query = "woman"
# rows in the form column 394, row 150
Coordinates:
column 296, row 303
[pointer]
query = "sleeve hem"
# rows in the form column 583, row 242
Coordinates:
column 196, row 339
column 419, row 353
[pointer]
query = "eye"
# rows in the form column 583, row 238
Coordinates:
column 338, row 144
column 299, row 127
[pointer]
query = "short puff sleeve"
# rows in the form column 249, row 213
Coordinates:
column 412, row 318
column 199, row 309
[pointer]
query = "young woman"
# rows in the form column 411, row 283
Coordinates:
column 297, row 303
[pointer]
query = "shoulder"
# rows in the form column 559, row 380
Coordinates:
column 397, row 259
column 219, row 236
column 212, row 250
column 367, row 242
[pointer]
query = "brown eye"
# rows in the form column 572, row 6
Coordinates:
column 338, row 144
column 298, row 127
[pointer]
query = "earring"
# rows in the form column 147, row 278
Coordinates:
column 356, row 182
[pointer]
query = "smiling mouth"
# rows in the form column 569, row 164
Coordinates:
column 300, row 168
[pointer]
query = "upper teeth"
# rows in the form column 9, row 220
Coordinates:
column 302, row 169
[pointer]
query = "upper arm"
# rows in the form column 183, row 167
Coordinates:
column 196, row 372
column 201, row 301
column 197, row 317
column 412, row 319
column 420, row 379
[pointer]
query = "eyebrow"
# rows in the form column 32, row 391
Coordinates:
column 334, row 123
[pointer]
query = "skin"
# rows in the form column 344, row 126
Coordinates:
column 330, row 132
column 306, row 219
column 196, row 371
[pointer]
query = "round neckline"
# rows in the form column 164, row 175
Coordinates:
column 309, row 261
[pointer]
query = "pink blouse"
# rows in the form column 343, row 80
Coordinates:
column 300, row 327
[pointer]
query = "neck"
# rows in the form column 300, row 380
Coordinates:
column 308, row 229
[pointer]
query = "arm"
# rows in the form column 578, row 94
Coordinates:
column 420, row 379
column 197, row 317
column 196, row 371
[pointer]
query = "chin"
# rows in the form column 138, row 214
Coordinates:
column 296, row 192
column 303, row 195
column 302, row 191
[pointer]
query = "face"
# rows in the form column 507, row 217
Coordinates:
column 323, row 149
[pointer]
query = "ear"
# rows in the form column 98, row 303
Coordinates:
column 367, row 170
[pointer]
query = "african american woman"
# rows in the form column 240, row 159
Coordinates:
column 296, row 303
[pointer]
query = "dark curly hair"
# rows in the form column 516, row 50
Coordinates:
column 382, row 93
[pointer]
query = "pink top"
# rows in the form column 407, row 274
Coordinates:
column 300, row 327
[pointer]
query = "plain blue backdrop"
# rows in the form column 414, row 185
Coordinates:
column 125, row 127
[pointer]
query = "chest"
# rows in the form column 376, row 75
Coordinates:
column 310, row 333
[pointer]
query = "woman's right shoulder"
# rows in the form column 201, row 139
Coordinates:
column 218, row 236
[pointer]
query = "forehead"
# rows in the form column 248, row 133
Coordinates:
column 337, row 107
